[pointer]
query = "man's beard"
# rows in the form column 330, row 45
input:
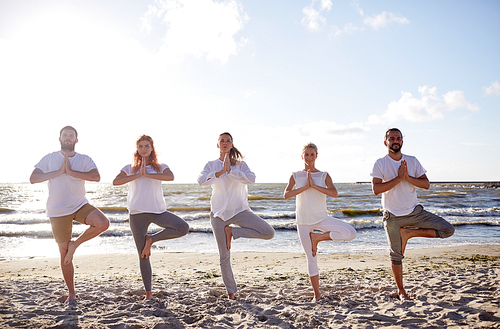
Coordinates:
column 395, row 150
column 68, row 147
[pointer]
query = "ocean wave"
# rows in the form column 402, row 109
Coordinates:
column 113, row 209
column 261, row 197
column 476, row 222
column 27, row 234
column 281, row 215
column 195, row 216
column 24, row 221
column 444, row 194
column 357, row 212
column 186, row 209
column 469, row 212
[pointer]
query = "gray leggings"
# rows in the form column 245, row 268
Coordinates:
column 173, row 227
column 419, row 218
column 249, row 226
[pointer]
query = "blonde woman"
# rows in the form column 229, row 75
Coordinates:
column 311, row 188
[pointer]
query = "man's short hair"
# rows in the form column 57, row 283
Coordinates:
column 392, row 129
column 70, row 128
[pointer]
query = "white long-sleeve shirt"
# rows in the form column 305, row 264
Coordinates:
column 229, row 191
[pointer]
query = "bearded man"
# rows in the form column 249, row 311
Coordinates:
column 395, row 176
column 66, row 172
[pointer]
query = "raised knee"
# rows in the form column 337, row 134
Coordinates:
column 352, row 235
column 270, row 234
column 103, row 224
column 184, row 230
column 449, row 231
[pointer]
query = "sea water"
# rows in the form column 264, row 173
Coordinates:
column 25, row 230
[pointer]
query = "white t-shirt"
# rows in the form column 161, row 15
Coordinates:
column 402, row 198
column 66, row 193
column 310, row 204
column 229, row 191
column 145, row 194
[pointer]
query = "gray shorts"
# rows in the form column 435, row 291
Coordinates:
column 418, row 218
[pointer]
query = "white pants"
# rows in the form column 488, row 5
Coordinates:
column 339, row 231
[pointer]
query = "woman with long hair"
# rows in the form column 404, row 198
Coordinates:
column 230, row 215
column 311, row 188
column 146, row 204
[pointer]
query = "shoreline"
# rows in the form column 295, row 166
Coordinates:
column 449, row 287
column 89, row 264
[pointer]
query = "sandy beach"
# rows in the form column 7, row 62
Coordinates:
column 454, row 287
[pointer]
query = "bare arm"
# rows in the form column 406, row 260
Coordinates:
column 330, row 188
column 92, row 176
column 422, row 181
column 380, row 187
column 123, row 178
column 166, row 175
column 38, row 176
column 290, row 192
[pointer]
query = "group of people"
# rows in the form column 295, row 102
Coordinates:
column 395, row 176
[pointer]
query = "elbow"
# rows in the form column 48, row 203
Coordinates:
column 33, row 179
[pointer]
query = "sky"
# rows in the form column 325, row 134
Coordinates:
column 275, row 74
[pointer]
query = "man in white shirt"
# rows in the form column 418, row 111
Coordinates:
column 395, row 176
column 67, row 172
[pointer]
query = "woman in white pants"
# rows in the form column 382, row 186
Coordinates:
column 229, row 176
column 311, row 188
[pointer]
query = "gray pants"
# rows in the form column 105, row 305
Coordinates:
column 249, row 225
column 419, row 218
column 173, row 227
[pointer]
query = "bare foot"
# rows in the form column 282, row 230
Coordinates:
column 149, row 296
column 401, row 296
column 405, row 235
column 314, row 242
column 315, row 299
column 69, row 254
column 229, row 235
column 67, row 299
column 146, row 252
column 404, row 297
column 231, row 296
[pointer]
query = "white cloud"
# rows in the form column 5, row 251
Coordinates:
column 384, row 19
column 428, row 107
column 331, row 129
column 355, row 4
column 199, row 27
column 313, row 19
column 493, row 90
